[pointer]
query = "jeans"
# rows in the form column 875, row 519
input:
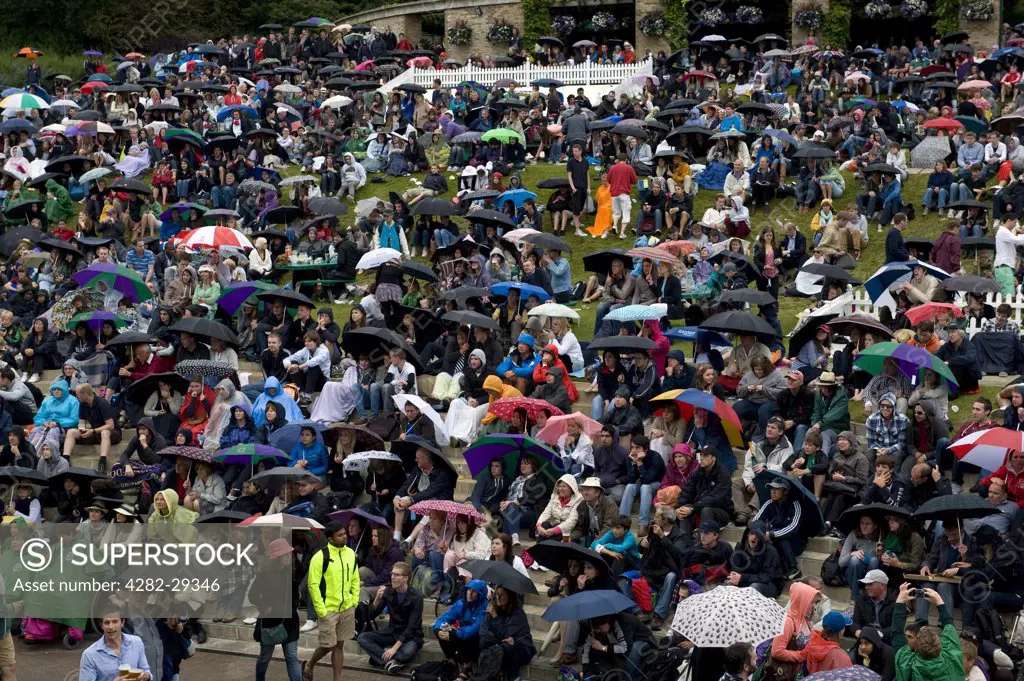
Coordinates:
column 889, row 210
column 750, row 411
column 807, row 192
column 223, row 196
column 789, row 548
column 973, row 230
column 376, row 642
column 181, row 186
column 635, row 660
column 867, row 205
column 291, row 661
column 958, row 191
column 855, row 570
column 665, row 596
column 641, row 216
column 599, row 408
column 852, row 144
column 950, row 597
column 647, row 493
column 514, row 517
column 602, row 311
column 443, row 238
column 930, row 194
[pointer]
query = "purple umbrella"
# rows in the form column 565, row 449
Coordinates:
column 511, row 449
column 235, row 295
column 123, row 280
column 248, row 454
column 92, row 53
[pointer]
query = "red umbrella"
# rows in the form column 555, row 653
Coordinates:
column 657, row 254
column 421, row 62
column 452, row 508
column 1015, row 42
column 700, row 74
column 943, row 124
column 918, row 314
column 678, row 248
column 134, row 55
column 88, row 88
column 504, row 407
column 988, row 448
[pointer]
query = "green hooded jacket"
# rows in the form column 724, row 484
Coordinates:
column 58, row 206
column 948, row 666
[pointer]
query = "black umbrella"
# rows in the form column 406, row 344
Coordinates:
column 20, row 210
column 327, row 206
column 755, row 107
column 203, row 367
column 970, row 284
column 282, row 215
column 750, row 296
column 500, row 573
column 84, row 477
column 77, row 164
column 549, row 40
column 810, row 150
column 60, row 245
column 461, row 294
column 955, row 37
column 139, row 391
column 909, row 79
column 485, row 215
column 547, row 241
column 830, row 272
column 601, row 261
column 850, row 518
column 418, row 270
column 922, row 245
column 201, row 326
column 957, row 506
column 739, row 322
column 807, row 332
column 127, row 184
column 964, row 204
column 811, row 520
column 412, row 87
column 376, row 343
column 882, row 168
column 470, row 318
column 481, row 194
column 553, row 183
column 280, row 474
column 9, row 240
column 555, row 556
column 630, row 129
column 971, row 243
column 227, row 517
column 435, row 206
column 742, row 262
column 22, row 474
column 624, row 343
column 289, row 297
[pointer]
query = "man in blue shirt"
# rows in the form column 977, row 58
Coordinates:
column 101, row 660
column 730, row 120
column 558, row 272
column 970, row 153
column 141, row 260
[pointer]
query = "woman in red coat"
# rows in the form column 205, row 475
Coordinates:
column 1011, row 476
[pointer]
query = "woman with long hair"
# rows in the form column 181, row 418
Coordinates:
column 769, row 261
column 900, row 549
column 815, row 355
column 859, row 554
column 470, row 542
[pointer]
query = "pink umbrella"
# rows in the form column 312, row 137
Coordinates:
column 556, row 427
column 641, row 79
column 366, row 65
column 975, row 85
column 452, row 508
column 420, row 62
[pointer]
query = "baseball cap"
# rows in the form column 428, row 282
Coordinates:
column 835, row 621
column 710, row 526
column 875, row 577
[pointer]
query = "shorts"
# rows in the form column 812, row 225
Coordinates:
column 6, row 651
column 336, row 628
column 578, row 202
column 94, row 439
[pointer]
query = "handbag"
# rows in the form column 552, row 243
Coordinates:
column 779, row 670
column 272, row 636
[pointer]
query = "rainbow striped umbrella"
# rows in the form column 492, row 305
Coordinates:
column 691, row 399
column 121, row 279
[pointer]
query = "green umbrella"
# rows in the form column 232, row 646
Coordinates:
column 126, row 281
column 504, row 135
column 96, row 318
column 171, row 133
column 910, row 359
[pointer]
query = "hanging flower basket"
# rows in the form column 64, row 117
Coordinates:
column 563, row 24
column 913, row 9
column 976, row 10
column 460, row 34
column 499, row 32
column 713, row 17
column 749, row 14
column 877, row 10
column 809, row 16
column 653, row 25
column 604, row 21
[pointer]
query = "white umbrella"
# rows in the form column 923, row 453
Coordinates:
column 288, row 88
column 93, row 174
column 298, row 179
column 440, row 431
column 65, row 103
column 246, row 81
column 337, row 101
column 285, row 520
column 553, row 310
column 156, row 127
column 857, row 76
column 54, row 128
column 342, row 27
column 360, row 461
column 727, row 615
column 376, row 258
column 515, row 236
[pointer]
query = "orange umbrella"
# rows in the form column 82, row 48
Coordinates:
column 28, row 53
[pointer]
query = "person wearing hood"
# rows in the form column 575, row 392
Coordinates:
column 145, row 445
column 50, row 460
column 220, row 414
column 518, row 367
column 58, row 202
column 466, row 411
column 610, row 462
column 458, row 628
column 872, row 652
column 551, row 359
column 846, row 476
column 353, row 176
column 558, row 518
column 497, row 266
column 623, row 415
column 310, row 453
column 552, row 390
column 797, row 624
column 756, row 563
column 823, row 651
column 377, row 151
column 781, row 515
column 167, row 511
column 18, row 451
column 58, row 411
column 936, row 653
column 272, row 391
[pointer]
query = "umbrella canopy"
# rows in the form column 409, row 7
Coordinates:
column 850, row 518
column 229, row 517
column 435, row 206
column 193, row 453
column 588, row 604
column 364, row 436
column 453, row 509
column 553, row 310
column 209, row 328
column 843, row 325
column 360, row 461
column 251, row 454
column 655, row 254
column 811, row 519
column 690, row 334
column 470, row 319
column 931, row 311
column 376, row 343
column 910, row 359
column 289, row 297
column 500, row 573
column 502, row 288
column 344, row 516
column 748, row 296
column 202, row 367
column 988, row 448
column 741, row 323
column 852, row 673
column 894, row 273
column 727, row 615
column 624, row 344
column 636, row 313
column 287, row 436
column 95, row 320
column 279, row 475
column 511, row 449
column 233, row 296
column 557, row 425
column 691, row 399
column 555, row 556
column 440, row 430
column 971, row 284
column 546, row 241
column 504, row 407
column 288, row 521
column 959, row 506
column 121, row 279
column 377, row 257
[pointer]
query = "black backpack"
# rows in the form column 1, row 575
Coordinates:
column 665, row 665
column 438, row 670
column 831, row 573
column 990, row 625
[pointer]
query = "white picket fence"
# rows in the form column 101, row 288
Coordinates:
column 570, row 74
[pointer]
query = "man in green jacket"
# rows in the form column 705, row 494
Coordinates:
column 831, row 413
column 935, row 655
column 333, row 581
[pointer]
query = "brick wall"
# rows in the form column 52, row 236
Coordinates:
column 511, row 13
column 984, row 34
column 644, row 43
column 409, row 24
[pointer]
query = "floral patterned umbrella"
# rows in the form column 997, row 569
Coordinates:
column 452, row 508
column 193, row 453
column 504, row 407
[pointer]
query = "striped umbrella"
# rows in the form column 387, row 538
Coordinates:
column 121, row 279
column 251, row 454
column 655, row 254
column 910, row 359
column 918, row 314
column 95, row 320
column 215, row 237
column 690, row 400
column 988, row 448
column 23, row 100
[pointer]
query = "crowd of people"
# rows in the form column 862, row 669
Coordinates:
column 164, row 224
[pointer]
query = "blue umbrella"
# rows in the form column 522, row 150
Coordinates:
column 612, row 119
column 896, row 273
column 973, row 124
column 228, row 110
column 586, row 605
column 502, row 288
column 17, row 125
column 780, row 135
column 257, row 174
column 634, row 313
column 516, row 196
column 854, row 672
column 10, row 91
column 695, row 333
column 287, row 436
column 811, row 520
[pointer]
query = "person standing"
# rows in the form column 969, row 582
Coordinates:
column 101, row 660
column 578, row 171
column 333, row 582
column 1008, row 237
column 621, row 178
column 895, row 248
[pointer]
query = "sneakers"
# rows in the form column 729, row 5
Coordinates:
column 310, row 625
column 393, row 668
column 794, row 574
column 249, row 621
column 101, row 465
column 515, row 539
column 34, row 378
column 24, row 376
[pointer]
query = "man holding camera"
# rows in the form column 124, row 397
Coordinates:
column 933, row 653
